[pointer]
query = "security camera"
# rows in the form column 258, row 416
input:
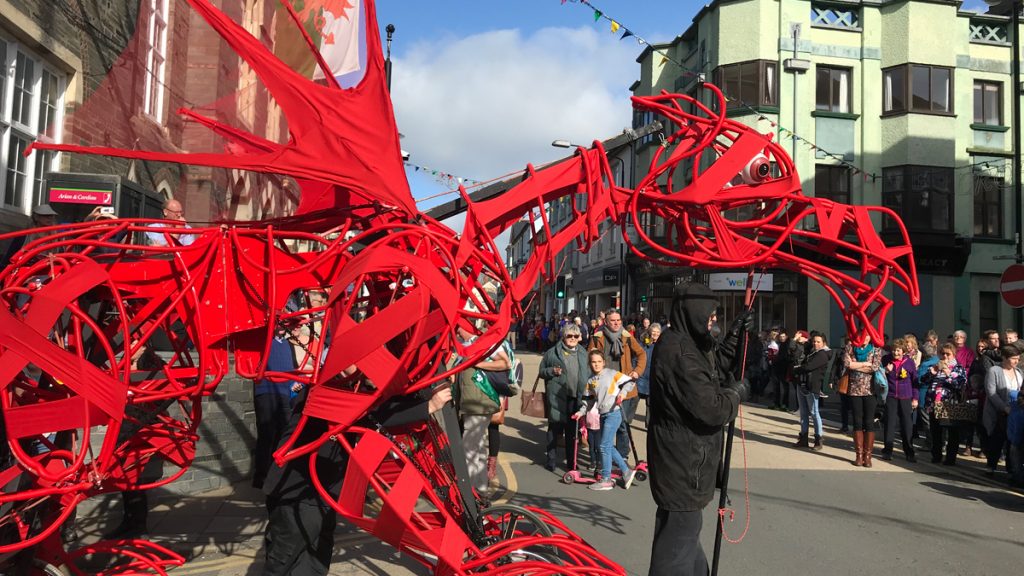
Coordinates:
column 757, row 170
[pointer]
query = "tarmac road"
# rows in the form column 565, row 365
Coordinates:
column 808, row 512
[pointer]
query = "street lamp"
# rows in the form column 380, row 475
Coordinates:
column 620, row 180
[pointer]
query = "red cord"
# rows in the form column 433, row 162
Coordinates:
column 746, row 491
column 751, row 294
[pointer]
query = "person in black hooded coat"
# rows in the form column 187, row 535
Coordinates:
column 693, row 395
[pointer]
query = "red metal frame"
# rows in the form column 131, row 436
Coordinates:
column 81, row 301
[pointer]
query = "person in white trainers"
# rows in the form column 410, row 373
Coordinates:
column 605, row 392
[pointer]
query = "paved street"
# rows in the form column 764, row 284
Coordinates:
column 809, row 512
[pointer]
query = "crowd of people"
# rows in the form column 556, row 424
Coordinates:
column 941, row 395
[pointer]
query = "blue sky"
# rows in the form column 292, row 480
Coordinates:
column 482, row 87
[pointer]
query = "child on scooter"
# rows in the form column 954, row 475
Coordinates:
column 605, row 391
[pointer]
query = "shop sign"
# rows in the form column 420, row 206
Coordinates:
column 74, row 195
column 724, row 281
column 611, row 277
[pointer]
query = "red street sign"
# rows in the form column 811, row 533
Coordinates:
column 80, row 195
column 1011, row 285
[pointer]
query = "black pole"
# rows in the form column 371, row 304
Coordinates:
column 1015, row 90
column 723, row 498
column 390, row 29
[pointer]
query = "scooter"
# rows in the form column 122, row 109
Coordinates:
column 641, row 465
column 575, row 476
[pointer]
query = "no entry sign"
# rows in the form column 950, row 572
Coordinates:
column 1011, row 285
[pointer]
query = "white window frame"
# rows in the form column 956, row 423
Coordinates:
column 156, row 60
column 31, row 132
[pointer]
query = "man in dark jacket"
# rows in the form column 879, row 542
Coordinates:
column 693, row 395
column 299, row 538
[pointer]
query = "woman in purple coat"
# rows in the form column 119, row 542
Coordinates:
column 902, row 399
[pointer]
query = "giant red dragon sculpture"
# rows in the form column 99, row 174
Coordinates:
column 80, row 302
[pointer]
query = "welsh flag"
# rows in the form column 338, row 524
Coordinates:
column 337, row 27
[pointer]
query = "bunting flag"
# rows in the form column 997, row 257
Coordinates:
column 616, row 25
column 442, row 176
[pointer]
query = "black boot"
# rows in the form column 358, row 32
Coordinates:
column 801, row 441
column 817, row 444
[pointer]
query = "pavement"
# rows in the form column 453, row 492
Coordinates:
column 220, row 532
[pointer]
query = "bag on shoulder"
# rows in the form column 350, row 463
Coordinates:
column 880, row 384
column 833, row 372
column 507, row 382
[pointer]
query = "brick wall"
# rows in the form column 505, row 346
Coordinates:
column 227, row 437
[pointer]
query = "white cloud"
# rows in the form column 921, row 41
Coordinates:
column 487, row 104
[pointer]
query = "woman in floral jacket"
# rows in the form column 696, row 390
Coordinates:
column 861, row 363
column 945, row 381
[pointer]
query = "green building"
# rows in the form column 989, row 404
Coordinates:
column 905, row 104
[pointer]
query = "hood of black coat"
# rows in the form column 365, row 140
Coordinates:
column 692, row 305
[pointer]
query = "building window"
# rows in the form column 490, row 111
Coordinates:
column 917, row 88
column 988, row 103
column 17, row 171
column 45, row 162
column 988, row 32
column 988, row 310
column 754, row 83
column 156, row 59
column 833, row 89
column 642, row 118
column 832, row 182
column 922, row 196
column 988, row 206
column 33, row 93
column 24, row 82
column 49, row 93
column 843, row 17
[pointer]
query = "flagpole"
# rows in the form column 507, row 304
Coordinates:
column 390, row 29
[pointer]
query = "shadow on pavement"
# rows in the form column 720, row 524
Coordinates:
column 562, row 508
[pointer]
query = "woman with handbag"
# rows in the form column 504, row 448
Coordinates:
column 946, row 381
column 477, row 402
column 861, row 363
column 565, row 371
column 1002, row 384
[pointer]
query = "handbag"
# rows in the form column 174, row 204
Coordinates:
column 948, row 413
column 843, row 384
column 533, row 403
column 880, row 384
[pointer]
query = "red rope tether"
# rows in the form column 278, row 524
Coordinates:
column 752, row 289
